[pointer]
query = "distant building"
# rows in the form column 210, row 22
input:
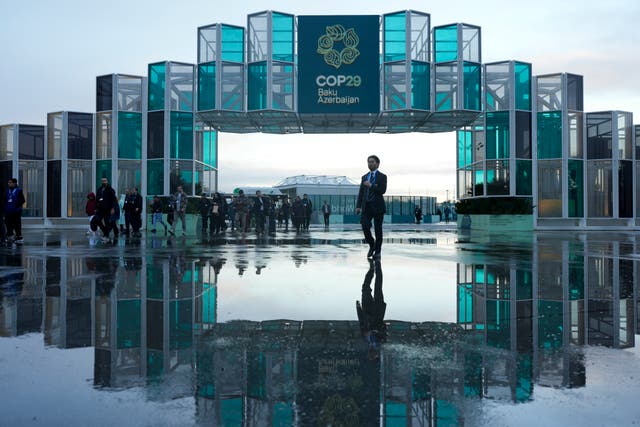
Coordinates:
column 341, row 193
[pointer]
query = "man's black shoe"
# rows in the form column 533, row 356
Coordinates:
column 370, row 253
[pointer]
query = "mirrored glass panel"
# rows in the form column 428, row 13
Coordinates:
column 207, row 43
column 104, row 93
column 232, row 87
column 625, row 136
column 497, row 86
column 54, row 136
column 497, row 177
column 54, row 187
column 550, row 188
column 79, row 136
column 625, row 189
column 31, row 179
column 600, row 185
column 103, row 135
column 574, row 93
column 31, row 142
column 576, row 123
column 181, row 173
column 129, row 175
column 523, row 134
column 78, row 186
column 257, row 33
column 599, row 135
column 7, row 134
column 523, row 178
column 395, row 86
column 282, row 86
column 470, row 43
column 129, row 93
column 420, row 36
column 549, row 93
column 155, row 135
column 497, row 135
column 181, row 89
column 575, row 188
column 446, row 87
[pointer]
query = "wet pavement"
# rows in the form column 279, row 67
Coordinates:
column 300, row 329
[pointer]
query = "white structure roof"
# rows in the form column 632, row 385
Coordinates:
column 306, row 180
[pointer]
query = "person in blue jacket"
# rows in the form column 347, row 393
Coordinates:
column 13, row 202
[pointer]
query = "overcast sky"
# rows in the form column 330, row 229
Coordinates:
column 51, row 52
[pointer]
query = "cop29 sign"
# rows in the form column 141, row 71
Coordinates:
column 338, row 64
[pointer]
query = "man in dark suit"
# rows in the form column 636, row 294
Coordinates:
column 371, row 204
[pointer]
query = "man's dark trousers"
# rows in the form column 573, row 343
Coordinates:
column 365, row 220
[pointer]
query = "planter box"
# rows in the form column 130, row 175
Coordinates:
column 496, row 222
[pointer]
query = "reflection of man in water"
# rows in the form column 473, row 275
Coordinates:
column 371, row 311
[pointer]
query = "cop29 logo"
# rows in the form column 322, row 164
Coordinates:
column 328, row 42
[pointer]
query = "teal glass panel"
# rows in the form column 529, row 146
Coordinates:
column 472, row 374
column 523, row 178
column 129, row 135
column 103, row 170
column 465, row 304
column 181, row 135
column 180, row 324
column 396, row 413
column 524, row 377
column 576, row 278
column 206, row 86
column 129, row 324
column 181, row 173
column 282, row 27
column 256, row 375
column 420, row 86
column 446, row 414
column 498, row 324
column 550, row 324
column 155, row 363
column 155, row 177
column 550, row 135
column 257, row 86
column 395, row 37
column 576, row 188
column 446, row 43
column 523, row 86
column 282, row 86
column 479, row 274
column 497, row 135
column 282, row 414
column 478, row 183
column 524, row 285
column 471, row 86
column 210, row 140
column 465, row 148
column 157, row 73
column 154, row 281
column 232, row 43
column 231, row 412
column 209, row 296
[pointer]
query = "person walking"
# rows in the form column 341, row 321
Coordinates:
column 218, row 212
column 180, row 208
column 418, row 214
column 205, row 211
column 136, row 213
column 90, row 209
column 326, row 212
column 242, row 212
column 107, row 204
column 372, row 206
column 13, row 202
column 156, row 214
column 298, row 213
column 308, row 208
column 259, row 211
column 285, row 211
column 127, row 210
